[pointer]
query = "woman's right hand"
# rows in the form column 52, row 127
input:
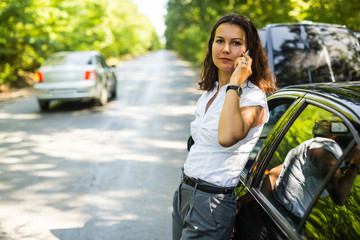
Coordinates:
column 242, row 66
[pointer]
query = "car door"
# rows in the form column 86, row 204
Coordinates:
column 277, row 108
column 274, row 207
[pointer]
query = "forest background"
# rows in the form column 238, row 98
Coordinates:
column 189, row 22
column 31, row 30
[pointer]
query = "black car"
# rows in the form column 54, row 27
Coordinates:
column 309, row 52
column 299, row 114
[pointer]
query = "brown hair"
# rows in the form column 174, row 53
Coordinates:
column 262, row 75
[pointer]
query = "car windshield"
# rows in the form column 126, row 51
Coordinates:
column 68, row 59
column 310, row 53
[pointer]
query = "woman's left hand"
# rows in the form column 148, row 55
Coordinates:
column 242, row 66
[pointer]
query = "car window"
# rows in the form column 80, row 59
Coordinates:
column 67, row 59
column 297, row 169
column 101, row 61
column 277, row 108
column 289, row 56
column 332, row 54
column 314, row 53
column 333, row 220
column 262, row 35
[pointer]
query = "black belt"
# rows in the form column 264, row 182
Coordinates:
column 208, row 189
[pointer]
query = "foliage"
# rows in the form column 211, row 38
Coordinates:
column 31, row 30
column 327, row 220
column 330, row 221
column 342, row 12
column 298, row 134
column 188, row 22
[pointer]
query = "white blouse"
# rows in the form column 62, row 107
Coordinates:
column 207, row 159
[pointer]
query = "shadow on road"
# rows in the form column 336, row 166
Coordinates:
column 81, row 171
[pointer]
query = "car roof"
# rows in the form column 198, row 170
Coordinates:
column 304, row 23
column 86, row 53
column 70, row 57
column 348, row 93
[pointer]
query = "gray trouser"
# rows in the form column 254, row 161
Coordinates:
column 201, row 215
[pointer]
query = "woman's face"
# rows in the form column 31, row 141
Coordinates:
column 229, row 44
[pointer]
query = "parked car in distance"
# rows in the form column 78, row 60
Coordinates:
column 74, row 75
column 287, row 197
column 309, row 52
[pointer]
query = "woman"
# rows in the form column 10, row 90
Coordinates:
column 229, row 118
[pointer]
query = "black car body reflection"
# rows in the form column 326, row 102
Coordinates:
column 294, row 113
column 310, row 52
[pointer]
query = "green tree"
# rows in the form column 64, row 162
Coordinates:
column 31, row 30
column 13, row 19
column 188, row 22
column 331, row 11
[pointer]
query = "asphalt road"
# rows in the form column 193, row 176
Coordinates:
column 85, row 172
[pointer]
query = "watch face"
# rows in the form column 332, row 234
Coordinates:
column 239, row 91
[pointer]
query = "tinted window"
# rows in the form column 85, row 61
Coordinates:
column 262, row 35
column 277, row 108
column 289, row 58
column 332, row 55
column 329, row 220
column 311, row 53
column 298, row 168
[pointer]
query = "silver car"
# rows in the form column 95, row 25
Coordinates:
column 69, row 76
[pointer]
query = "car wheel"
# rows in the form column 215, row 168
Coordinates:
column 114, row 93
column 104, row 97
column 44, row 105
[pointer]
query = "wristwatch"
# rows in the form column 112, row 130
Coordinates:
column 236, row 88
column 354, row 167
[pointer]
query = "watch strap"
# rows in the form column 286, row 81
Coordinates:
column 236, row 88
